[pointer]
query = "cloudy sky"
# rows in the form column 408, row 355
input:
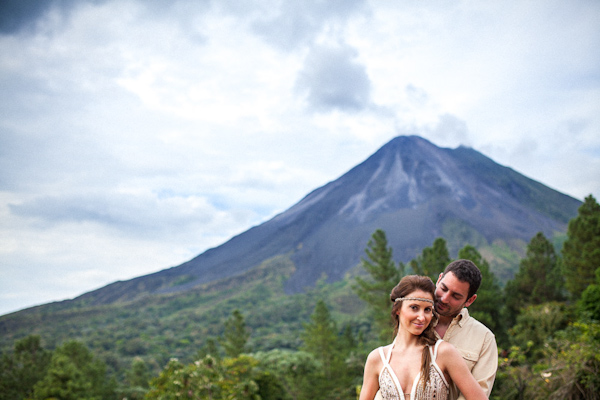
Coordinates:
column 136, row 134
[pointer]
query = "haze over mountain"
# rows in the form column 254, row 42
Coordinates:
column 410, row 188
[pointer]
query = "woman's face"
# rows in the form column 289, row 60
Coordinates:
column 415, row 315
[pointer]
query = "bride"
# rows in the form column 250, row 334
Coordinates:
column 416, row 366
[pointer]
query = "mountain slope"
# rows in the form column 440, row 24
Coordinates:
column 410, row 188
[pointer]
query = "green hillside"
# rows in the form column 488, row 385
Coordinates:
column 159, row 327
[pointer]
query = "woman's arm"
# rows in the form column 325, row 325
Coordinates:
column 370, row 384
column 456, row 368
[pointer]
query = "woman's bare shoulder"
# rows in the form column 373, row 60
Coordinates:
column 448, row 353
column 374, row 357
column 447, row 350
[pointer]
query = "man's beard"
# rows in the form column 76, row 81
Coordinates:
column 447, row 311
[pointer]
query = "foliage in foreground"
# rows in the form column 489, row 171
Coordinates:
column 233, row 378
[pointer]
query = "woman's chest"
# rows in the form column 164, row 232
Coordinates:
column 406, row 368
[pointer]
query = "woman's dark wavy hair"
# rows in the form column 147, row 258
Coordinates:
column 406, row 286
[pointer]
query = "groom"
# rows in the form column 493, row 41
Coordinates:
column 456, row 290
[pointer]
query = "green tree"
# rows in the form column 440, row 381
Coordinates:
column 239, row 378
column 537, row 324
column 210, row 348
column 322, row 342
column 347, row 340
column 74, row 374
column 137, row 381
column 514, row 376
column 353, row 357
column 296, row 370
column 176, row 380
column 270, row 387
column 581, row 250
column 321, row 339
column 538, row 280
column 571, row 369
column 232, row 378
column 382, row 277
column 489, row 295
column 22, row 369
column 236, row 335
column 589, row 304
column 568, row 365
column 432, row 260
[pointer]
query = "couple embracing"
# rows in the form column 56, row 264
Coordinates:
column 419, row 365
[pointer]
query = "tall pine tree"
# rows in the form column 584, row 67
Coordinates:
column 432, row 260
column 383, row 276
column 489, row 295
column 581, row 250
column 236, row 335
column 539, row 279
column 321, row 339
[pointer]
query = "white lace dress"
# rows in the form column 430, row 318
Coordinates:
column 389, row 385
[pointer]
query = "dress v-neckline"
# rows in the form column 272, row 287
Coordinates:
column 395, row 377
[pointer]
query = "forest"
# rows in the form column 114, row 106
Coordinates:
column 265, row 345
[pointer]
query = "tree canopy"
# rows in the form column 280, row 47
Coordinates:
column 538, row 280
column 235, row 337
column 489, row 295
column 74, row 374
column 432, row 260
column 383, row 275
column 581, row 250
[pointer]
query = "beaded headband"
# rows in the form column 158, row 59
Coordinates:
column 414, row 298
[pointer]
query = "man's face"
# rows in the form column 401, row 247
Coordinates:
column 451, row 295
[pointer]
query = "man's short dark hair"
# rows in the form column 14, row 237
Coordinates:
column 466, row 271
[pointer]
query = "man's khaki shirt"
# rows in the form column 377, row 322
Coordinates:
column 477, row 344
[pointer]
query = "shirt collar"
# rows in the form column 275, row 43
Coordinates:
column 462, row 317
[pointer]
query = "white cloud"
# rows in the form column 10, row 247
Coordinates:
column 135, row 135
column 333, row 80
column 289, row 25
